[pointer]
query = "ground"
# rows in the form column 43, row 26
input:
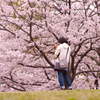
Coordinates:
column 52, row 95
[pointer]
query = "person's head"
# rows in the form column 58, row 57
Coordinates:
column 62, row 40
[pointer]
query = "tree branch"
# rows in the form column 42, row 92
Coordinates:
column 87, row 72
column 34, row 66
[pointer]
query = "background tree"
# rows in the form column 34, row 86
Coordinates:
column 29, row 29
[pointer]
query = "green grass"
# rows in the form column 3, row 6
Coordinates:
column 52, row 95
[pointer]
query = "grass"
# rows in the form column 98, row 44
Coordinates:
column 52, row 95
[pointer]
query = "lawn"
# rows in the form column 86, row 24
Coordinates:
column 52, row 95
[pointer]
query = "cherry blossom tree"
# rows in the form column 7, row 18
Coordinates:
column 28, row 31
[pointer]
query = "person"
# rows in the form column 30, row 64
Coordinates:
column 60, row 53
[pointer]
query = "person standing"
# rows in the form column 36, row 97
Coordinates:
column 60, row 53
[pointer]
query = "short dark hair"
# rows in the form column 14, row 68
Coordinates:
column 62, row 40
